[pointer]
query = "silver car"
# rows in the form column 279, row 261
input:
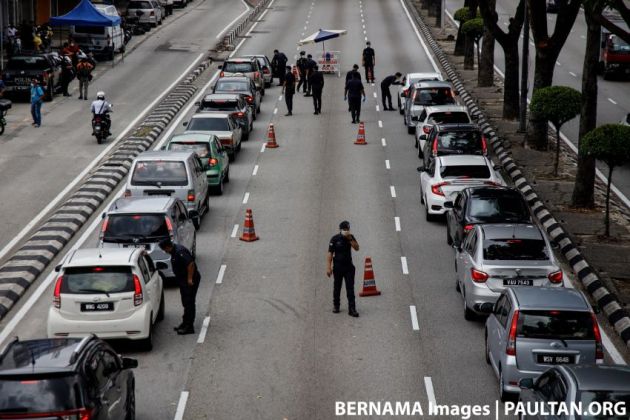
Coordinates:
column 222, row 125
column 441, row 114
column 244, row 66
column 425, row 94
column 265, row 66
column 142, row 222
column 529, row 330
column 243, row 85
column 494, row 257
column 409, row 80
column 148, row 11
column 233, row 103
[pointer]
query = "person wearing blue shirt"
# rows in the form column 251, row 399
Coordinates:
column 37, row 97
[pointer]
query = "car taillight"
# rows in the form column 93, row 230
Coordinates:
column 510, row 349
column 212, row 161
column 222, row 74
column 169, row 226
column 405, row 92
column 468, row 228
column 238, row 114
column 484, row 145
column 249, row 99
column 426, row 129
column 152, row 13
column 57, row 294
column 478, row 276
column 599, row 350
column 437, row 188
column 137, row 291
column 434, row 148
column 191, row 195
column 256, row 75
column 127, row 193
column 555, row 277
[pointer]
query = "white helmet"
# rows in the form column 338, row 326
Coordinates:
column 100, row 95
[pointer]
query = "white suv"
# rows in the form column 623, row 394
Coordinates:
column 113, row 293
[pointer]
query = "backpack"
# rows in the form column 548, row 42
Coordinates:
column 83, row 70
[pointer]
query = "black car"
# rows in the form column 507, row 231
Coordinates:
column 21, row 69
column 453, row 139
column 66, row 378
column 235, row 104
column 483, row 205
column 243, row 85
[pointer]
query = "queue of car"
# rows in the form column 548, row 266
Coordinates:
column 536, row 330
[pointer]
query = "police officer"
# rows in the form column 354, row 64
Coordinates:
column 351, row 73
column 340, row 265
column 188, row 279
column 353, row 94
column 316, row 83
column 302, row 64
column 394, row 79
column 310, row 70
column 288, row 89
column 278, row 64
column 369, row 60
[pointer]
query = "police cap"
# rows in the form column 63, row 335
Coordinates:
column 345, row 225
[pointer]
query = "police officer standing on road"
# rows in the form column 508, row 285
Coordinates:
column 353, row 93
column 316, row 83
column 394, row 79
column 288, row 89
column 351, row 73
column 369, row 61
column 278, row 63
column 339, row 263
column 188, row 279
column 310, row 69
column 302, row 64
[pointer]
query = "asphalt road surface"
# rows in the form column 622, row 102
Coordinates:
column 273, row 348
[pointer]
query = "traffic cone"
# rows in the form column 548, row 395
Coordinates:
column 361, row 135
column 271, row 138
column 369, row 284
column 249, row 234
column 294, row 70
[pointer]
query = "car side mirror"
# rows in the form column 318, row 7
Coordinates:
column 421, row 169
column 596, row 309
column 526, row 383
column 422, row 137
column 103, row 215
column 163, row 148
column 58, row 268
column 486, row 308
column 448, row 204
column 129, row 363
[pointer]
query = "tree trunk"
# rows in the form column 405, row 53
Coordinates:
column 607, row 217
column 485, row 76
column 511, row 105
column 460, row 42
column 556, row 163
column 537, row 134
column 584, row 188
column 469, row 56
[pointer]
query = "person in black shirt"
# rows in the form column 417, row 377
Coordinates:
column 278, row 63
column 310, row 69
column 351, row 73
column 288, row 89
column 188, row 279
column 340, row 265
column 369, row 61
column 353, row 93
column 316, row 82
column 302, row 64
column 394, row 79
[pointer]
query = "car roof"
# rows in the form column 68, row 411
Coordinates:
column 239, row 59
column 457, row 127
column 196, row 136
column 164, row 155
column 490, row 190
column 235, row 78
column 255, row 55
column 549, row 298
column 148, row 204
column 424, row 75
column 510, row 230
column 463, row 160
column 445, row 108
column 221, row 96
column 89, row 257
column 432, row 84
column 600, row 377
column 43, row 355
column 211, row 115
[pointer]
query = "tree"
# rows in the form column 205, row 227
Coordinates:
column 547, row 52
column 473, row 30
column 609, row 143
column 556, row 104
column 509, row 43
column 467, row 12
column 485, row 72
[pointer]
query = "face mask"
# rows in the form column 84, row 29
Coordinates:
column 345, row 232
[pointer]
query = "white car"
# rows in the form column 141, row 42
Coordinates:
column 625, row 120
column 440, row 114
column 447, row 175
column 408, row 80
column 113, row 293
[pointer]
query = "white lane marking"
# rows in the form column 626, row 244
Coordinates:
column 378, row 108
column 255, row 171
column 384, row 142
column 387, row 166
column 380, row 124
column 364, row 32
column 532, row 43
column 234, row 231
column 262, row 148
column 181, row 406
column 424, row 46
column 204, row 330
column 612, row 101
column 366, row 38
column 572, row 74
column 221, row 273
column 246, row 198
column 306, row 22
column 295, row 56
column 362, row 20
column 405, row 267
column 55, row 201
column 363, row 26
column 392, row 190
column 428, row 384
column 375, row 95
column 280, row 97
column 397, row 223
column 275, row 111
column 558, row 64
column 305, row 27
column 233, row 22
column 414, row 318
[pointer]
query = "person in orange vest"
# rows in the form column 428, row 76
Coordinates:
column 339, row 264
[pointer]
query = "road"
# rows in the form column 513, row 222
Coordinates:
column 274, row 349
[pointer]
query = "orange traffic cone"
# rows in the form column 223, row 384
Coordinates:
column 249, row 234
column 361, row 135
column 294, row 70
column 369, row 284
column 271, row 138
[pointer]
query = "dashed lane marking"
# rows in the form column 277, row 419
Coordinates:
column 397, row 223
column 234, row 231
column 375, row 95
column 377, row 108
column 558, row 64
column 414, row 318
column 275, row 111
column 384, row 142
column 405, row 267
column 204, row 330
column 221, row 273
column 246, row 198
column 428, row 384
column 280, row 97
column 255, row 171
column 181, row 405
column 380, row 124
column 612, row 101
column 572, row 74
column 387, row 164
column 392, row 190
column 262, row 148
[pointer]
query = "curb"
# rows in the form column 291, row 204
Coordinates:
column 617, row 316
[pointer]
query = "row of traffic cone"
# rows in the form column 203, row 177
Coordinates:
column 272, row 143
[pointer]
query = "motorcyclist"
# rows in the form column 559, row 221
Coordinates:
column 100, row 107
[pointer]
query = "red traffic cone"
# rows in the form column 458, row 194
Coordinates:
column 294, row 70
column 249, row 234
column 271, row 138
column 361, row 135
column 369, row 284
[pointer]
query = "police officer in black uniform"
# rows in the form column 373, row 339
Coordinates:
column 353, row 93
column 316, row 83
column 394, row 79
column 278, row 63
column 369, row 60
column 302, row 64
column 288, row 89
column 310, row 70
column 351, row 73
column 341, row 267
column 188, row 279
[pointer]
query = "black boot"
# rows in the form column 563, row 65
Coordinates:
column 186, row 329
column 353, row 312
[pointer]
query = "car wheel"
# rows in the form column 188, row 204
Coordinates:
column 147, row 343
column 457, row 286
column 254, row 119
column 420, row 153
column 262, row 92
column 503, row 396
column 428, row 216
column 131, row 401
column 226, row 177
column 238, row 148
column 160, row 22
column 197, row 219
column 246, row 135
column 258, row 110
column 160, row 314
column 468, row 314
column 232, row 156
column 154, row 25
column 411, row 129
column 218, row 189
column 487, row 350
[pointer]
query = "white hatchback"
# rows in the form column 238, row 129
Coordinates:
column 113, row 293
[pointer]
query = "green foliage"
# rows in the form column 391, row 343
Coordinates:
column 609, row 143
column 474, row 28
column 558, row 104
column 461, row 15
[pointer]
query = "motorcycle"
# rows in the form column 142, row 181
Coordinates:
column 100, row 128
column 5, row 105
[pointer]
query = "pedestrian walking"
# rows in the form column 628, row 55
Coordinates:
column 84, row 74
column 354, row 93
column 316, row 83
column 278, row 64
column 37, row 97
column 369, row 61
column 394, row 79
column 288, row 89
column 310, row 70
column 302, row 64
column 188, row 279
column 67, row 75
column 340, row 266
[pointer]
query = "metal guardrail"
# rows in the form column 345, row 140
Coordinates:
column 230, row 38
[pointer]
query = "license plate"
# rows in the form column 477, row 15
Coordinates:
column 97, row 306
column 158, row 192
column 555, row 359
column 145, row 246
column 518, row 282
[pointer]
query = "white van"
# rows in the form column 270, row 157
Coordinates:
column 103, row 41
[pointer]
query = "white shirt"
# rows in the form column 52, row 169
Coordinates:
column 101, row 106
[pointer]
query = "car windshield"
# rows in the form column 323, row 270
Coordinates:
column 160, row 172
column 502, row 207
column 127, row 227
column 28, row 63
column 36, row 394
column 459, row 142
column 202, row 149
column 88, row 280
column 244, row 67
column 515, row 249
column 449, row 118
column 139, row 5
column 232, row 86
column 209, row 124
column 602, row 396
column 565, row 325
column 433, row 96
column 619, row 45
column 465, row 171
column 219, row 105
